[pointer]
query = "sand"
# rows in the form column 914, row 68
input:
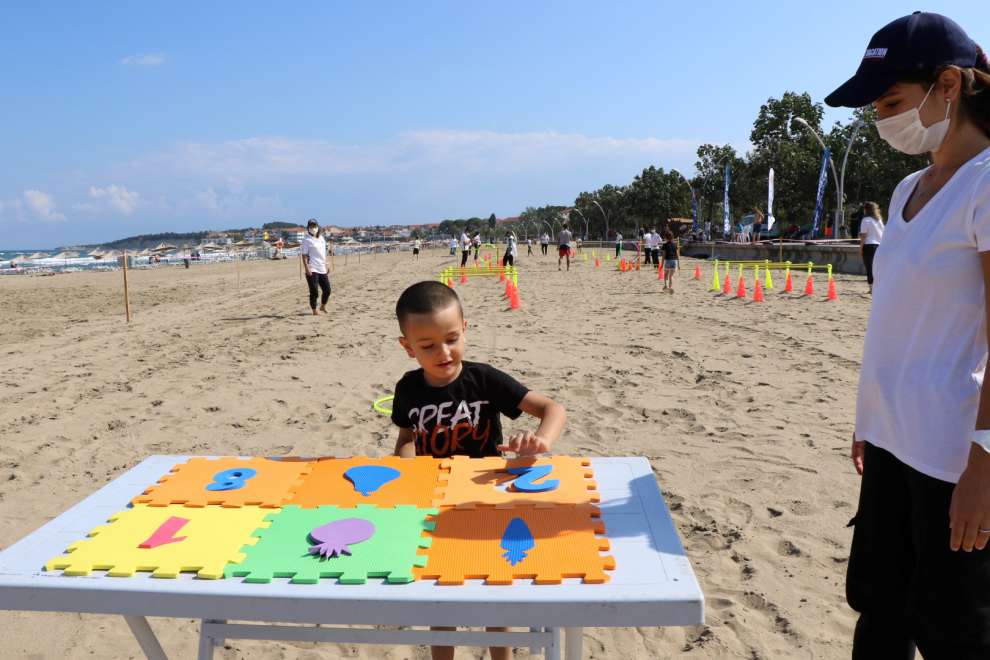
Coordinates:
column 744, row 410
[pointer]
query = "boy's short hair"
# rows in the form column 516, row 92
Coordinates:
column 425, row 298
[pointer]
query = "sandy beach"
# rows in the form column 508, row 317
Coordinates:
column 745, row 411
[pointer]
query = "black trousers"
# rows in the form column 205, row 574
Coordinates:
column 464, row 256
column 869, row 252
column 909, row 588
column 323, row 280
column 507, row 260
column 543, row 247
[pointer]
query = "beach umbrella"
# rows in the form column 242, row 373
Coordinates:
column 96, row 254
column 109, row 256
column 163, row 247
column 38, row 255
column 66, row 255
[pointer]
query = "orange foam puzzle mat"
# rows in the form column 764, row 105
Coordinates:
column 385, row 482
column 167, row 540
column 228, row 482
column 500, row 482
column 500, row 545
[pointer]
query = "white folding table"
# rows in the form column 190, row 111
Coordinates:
column 652, row 584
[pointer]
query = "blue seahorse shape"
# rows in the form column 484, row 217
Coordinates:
column 516, row 540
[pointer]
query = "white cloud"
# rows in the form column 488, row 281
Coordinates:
column 144, row 59
column 264, row 158
column 42, row 205
column 118, row 197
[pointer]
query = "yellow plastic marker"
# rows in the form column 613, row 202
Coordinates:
column 716, row 285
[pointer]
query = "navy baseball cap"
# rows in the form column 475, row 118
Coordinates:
column 917, row 43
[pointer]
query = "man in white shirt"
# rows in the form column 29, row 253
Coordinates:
column 564, row 239
column 544, row 243
column 417, row 244
column 313, row 252
column 465, row 248
column 618, row 244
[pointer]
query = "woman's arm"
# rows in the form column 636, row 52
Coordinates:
column 969, row 511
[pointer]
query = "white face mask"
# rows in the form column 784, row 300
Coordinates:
column 907, row 134
column 313, row 231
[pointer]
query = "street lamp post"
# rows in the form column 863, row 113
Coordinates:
column 840, row 181
column 585, row 221
column 595, row 202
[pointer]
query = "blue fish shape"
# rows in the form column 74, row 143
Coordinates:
column 516, row 541
column 369, row 478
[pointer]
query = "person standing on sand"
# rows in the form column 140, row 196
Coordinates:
column 313, row 253
column 529, row 247
column 465, row 248
column 618, row 244
column 919, row 571
column 416, row 246
column 671, row 260
column 870, row 235
column 564, row 246
column 544, row 243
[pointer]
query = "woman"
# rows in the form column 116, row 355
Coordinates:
column 921, row 443
column 313, row 252
column 670, row 260
column 870, row 235
column 509, row 258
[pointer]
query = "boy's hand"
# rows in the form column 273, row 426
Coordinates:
column 525, row 443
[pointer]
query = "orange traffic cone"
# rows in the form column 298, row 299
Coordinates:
column 809, row 286
column 832, row 293
column 697, row 272
column 463, row 278
column 757, row 291
column 727, row 284
column 514, row 299
column 508, row 288
column 501, row 276
column 637, row 265
column 598, row 262
column 622, row 265
column 741, row 291
column 788, row 285
column 660, row 272
column 450, row 282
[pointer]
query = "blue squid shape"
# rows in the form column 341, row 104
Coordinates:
column 516, row 540
column 369, row 478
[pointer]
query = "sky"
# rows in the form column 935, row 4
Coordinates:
column 119, row 119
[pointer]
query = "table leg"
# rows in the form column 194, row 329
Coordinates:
column 573, row 638
column 553, row 648
column 206, row 641
column 145, row 637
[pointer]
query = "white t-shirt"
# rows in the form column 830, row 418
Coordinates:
column 618, row 238
column 417, row 244
column 564, row 238
column 465, row 242
column 545, row 239
column 926, row 345
column 453, row 243
column 873, row 229
column 316, row 250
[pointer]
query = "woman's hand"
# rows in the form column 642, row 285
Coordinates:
column 969, row 511
column 858, row 450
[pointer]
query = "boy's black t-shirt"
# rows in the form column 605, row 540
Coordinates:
column 461, row 417
column 669, row 251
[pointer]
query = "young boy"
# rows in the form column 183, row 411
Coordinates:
column 449, row 406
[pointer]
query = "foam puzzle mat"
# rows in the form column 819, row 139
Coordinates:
column 348, row 520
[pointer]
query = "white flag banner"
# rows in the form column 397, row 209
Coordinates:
column 770, row 218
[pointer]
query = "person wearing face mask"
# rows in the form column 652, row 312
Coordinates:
column 919, row 570
column 313, row 252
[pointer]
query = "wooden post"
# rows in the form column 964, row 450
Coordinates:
column 127, row 302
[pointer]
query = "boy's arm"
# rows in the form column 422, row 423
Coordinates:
column 404, row 445
column 552, row 419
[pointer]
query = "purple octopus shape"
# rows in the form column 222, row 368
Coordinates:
column 335, row 537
